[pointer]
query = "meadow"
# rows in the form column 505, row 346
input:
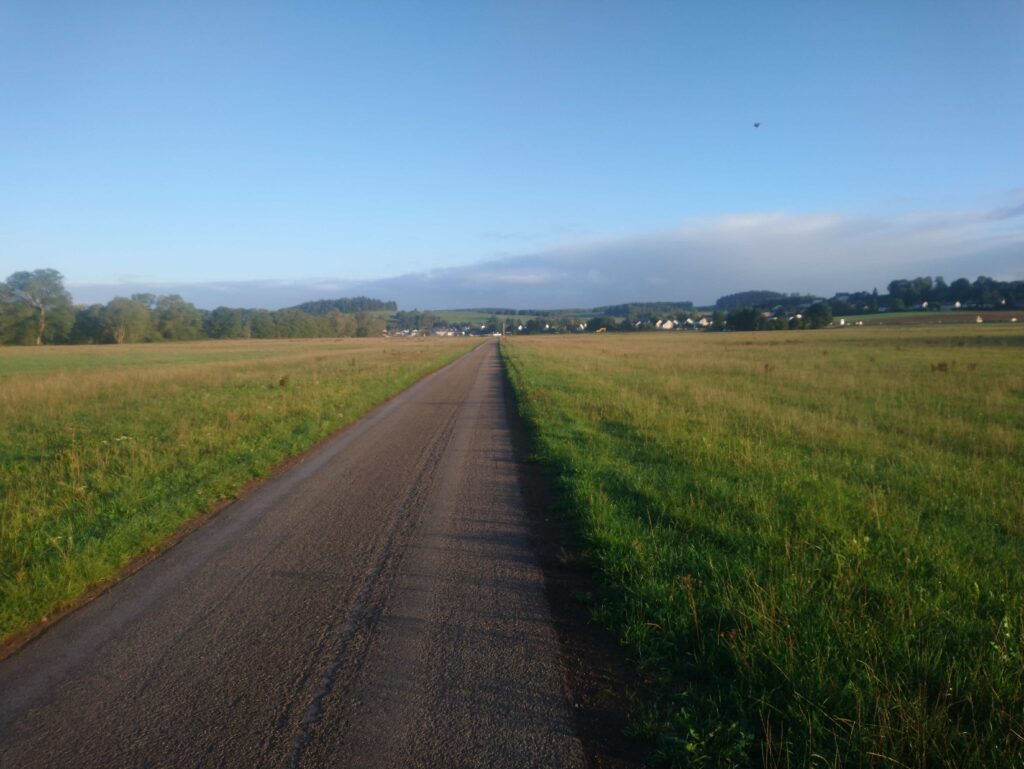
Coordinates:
column 915, row 317
column 811, row 542
column 106, row 450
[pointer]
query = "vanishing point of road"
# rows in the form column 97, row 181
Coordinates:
column 380, row 604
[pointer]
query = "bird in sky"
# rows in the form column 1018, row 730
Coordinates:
column 757, row 125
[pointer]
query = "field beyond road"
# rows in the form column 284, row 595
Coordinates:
column 106, row 450
column 811, row 542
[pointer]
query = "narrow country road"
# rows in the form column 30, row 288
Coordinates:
column 378, row 605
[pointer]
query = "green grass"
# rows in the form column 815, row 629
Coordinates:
column 41, row 360
column 933, row 316
column 106, row 450
column 811, row 542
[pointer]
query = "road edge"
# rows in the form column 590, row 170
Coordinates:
column 596, row 672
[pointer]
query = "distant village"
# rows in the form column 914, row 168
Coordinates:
column 918, row 300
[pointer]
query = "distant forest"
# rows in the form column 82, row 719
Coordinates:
column 644, row 308
column 351, row 305
column 35, row 308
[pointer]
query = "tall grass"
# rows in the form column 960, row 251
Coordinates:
column 812, row 542
column 104, row 451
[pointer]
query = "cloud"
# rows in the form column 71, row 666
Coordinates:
column 1007, row 212
column 820, row 253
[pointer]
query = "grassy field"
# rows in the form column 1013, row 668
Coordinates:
column 811, row 542
column 106, row 450
column 913, row 317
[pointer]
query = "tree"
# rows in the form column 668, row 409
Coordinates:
column 262, row 324
column 16, row 320
column 225, row 323
column 922, row 289
column 745, row 299
column 38, row 299
column 88, row 327
column 535, row 325
column 843, row 307
column 341, row 324
column 902, row 290
column 149, row 300
column 818, row 315
column 959, row 290
column 985, row 292
column 175, row 318
column 600, row 321
column 368, row 324
column 126, row 320
column 744, row 319
column 295, row 324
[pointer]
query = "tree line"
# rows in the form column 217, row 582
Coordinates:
column 982, row 292
column 932, row 293
column 349, row 305
column 35, row 308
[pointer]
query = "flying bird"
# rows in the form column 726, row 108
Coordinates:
column 757, row 125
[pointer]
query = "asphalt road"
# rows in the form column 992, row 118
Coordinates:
column 380, row 604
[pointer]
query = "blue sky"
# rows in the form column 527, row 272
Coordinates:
column 492, row 153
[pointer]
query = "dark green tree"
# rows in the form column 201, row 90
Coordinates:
column 88, row 327
column 903, row 290
column 535, row 325
column 959, row 290
column 225, row 323
column 744, row 319
column 985, row 291
column 818, row 315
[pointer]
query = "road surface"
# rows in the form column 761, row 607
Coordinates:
column 378, row 605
